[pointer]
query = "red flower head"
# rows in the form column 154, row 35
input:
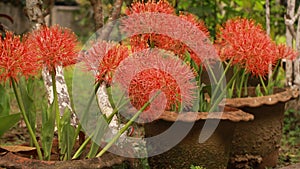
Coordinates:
column 160, row 19
column 247, row 44
column 55, row 46
column 103, row 58
column 151, row 70
column 161, row 6
column 178, row 47
column 16, row 58
column 129, row 25
column 195, row 21
column 285, row 52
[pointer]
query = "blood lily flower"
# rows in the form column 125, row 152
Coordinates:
column 103, row 58
column 150, row 26
column 16, row 58
column 250, row 50
column 151, row 70
column 56, row 46
column 247, row 44
column 161, row 6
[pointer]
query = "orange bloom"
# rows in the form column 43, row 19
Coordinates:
column 103, row 58
column 55, row 46
column 150, row 70
column 195, row 21
column 156, row 25
column 16, row 58
column 248, row 45
column 161, row 6
column 285, row 52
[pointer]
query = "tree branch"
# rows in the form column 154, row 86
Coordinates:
column 290, row 20
column 98, row 13
column 268, row 32
column 111, row 21
column 289, row 41
column 35, row 13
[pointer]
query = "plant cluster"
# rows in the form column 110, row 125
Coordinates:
column 21, row 61
column 174, row 75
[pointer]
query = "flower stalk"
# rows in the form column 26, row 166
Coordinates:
column 55, row 102
column 22, row 109
column 127, row 125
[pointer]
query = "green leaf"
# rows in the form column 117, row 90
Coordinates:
column 66, row 141
column 48, row 124
column 258, row 91
column 8, row 121
column 101, row 126
column 4, row 101
column 26, row 89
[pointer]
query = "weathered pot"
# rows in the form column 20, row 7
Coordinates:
column 212, row 154
column 256, row 144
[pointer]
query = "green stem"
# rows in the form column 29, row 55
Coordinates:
column 55, row 102
column 83, row 145
column 127, row 125
column 231, row 89
column 216, row 103
column 212, row 73
column 22, row 109
column 276, row 69
column 263, row 84
column 118, row 106
column 84, row 115
column 246, row 85
column 241, row 84
column 221, row 79
column 116, row 109
column 86, row 110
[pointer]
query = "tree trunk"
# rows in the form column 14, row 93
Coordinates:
column 289, row 41
column 268, row 31
column 98, row 13
column 111, row 21
column 296, row 62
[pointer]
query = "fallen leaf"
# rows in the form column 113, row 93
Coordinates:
column 16, row 149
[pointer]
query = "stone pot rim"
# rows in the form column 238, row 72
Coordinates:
column 283, row 95
column 229, row 113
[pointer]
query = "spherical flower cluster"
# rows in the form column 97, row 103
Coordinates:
column 16, row 58
column 150, row 70
column 285, row 52
column 178, row 47
column 246, row 44
column 55, row 46
column 103, row 58
column 160, row 38
column 161, row 6
column 195, row 21
column 149, row 80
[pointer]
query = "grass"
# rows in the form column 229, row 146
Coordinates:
column 290, row 147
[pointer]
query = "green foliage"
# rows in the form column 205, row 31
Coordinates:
column 8, row 121
column 4, row 101
column 216, row 12
column 291, row 138
column 197, row 167
column 67, row 140
column 101, row 126
column 27, row 93
column 48, row 123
